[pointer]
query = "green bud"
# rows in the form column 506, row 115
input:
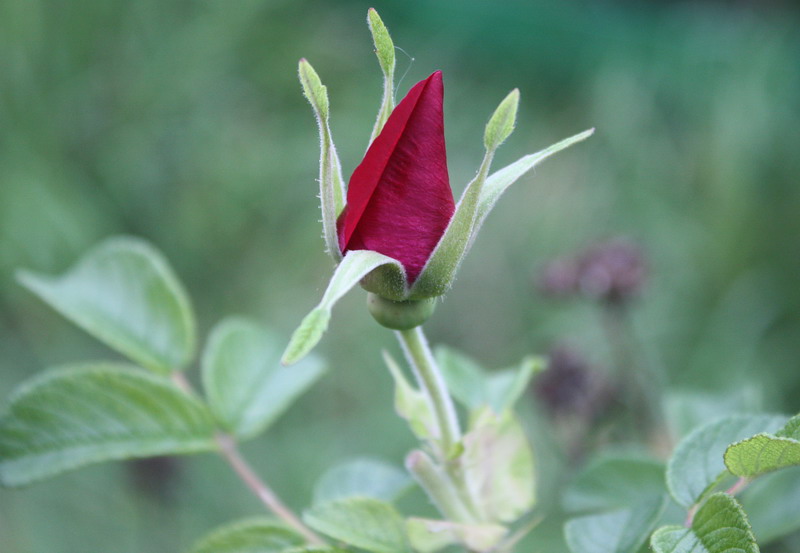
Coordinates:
column 501, row 124
column 400, row 315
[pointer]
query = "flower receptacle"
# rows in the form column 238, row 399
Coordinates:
column 400, row 315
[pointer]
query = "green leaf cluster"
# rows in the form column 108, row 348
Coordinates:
column 625, row 492
column 701, row 477
column 124, row 293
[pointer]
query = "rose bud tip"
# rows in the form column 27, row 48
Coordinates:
column 399, row 200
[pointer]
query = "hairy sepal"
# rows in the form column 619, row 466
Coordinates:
column 477, row 201
column 384, row 50
column 355, row 266
column 331, row 182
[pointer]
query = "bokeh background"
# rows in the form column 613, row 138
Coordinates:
column 182, row 122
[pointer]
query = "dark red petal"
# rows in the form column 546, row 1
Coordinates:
column 399, row 200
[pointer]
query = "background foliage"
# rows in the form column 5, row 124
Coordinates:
column 183, row 122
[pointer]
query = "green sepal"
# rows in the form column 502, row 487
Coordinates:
column 355, row 265
column 384, row 50
column 390, row 282
column 501, row 124
column 331, row 182
column 476, row 202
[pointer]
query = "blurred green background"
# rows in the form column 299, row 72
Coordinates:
column 182, row 122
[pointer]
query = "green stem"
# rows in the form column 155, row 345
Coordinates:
column 439, row 486
column 640, row 385
column 432, row 384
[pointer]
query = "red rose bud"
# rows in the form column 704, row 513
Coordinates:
column 399, row 201
column 401, row 235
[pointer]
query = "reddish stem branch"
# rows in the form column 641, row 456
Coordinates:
column 228, row 450
column 261, row 490
column 738, row 486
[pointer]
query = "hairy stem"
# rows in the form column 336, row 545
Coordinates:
column 432, row 383
column 229, row 452
column 738, row 486
column 430, row 380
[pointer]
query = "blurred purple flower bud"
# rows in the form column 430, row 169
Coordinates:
column 156, row 477
column 612, row 271
column 569, row 385
column 559, row 278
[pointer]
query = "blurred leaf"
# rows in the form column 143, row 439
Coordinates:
column 689, row 409
column 384, row 49
column 246, row 385
column 619, row 531
column 771, row 504
column 249, row 536
column 411, row 403
column 501, row 123
column 720, row 526
column 615, row 480
column 70, row 417
column 474, row 387
column 428, row 535
column 363, row 522
column 355, row 265
column 697, row 462
column 465, row 378
column 498, row 464
column 124, row 293
column 362, row 477
column 315, row 549
column 331, row 183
